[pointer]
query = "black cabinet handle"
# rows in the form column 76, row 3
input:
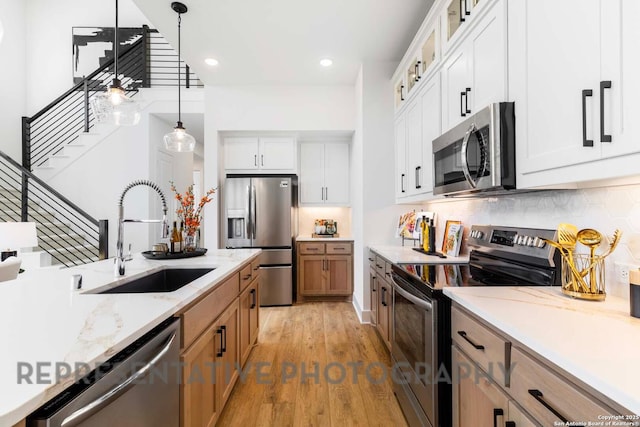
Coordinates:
column 370, row 259
column 248, row 276
column 462, row 113
column 603, row 136
column 378, row 265
column 497, row 412
column 256, row 268
column 261, row 159
column 402, row 183
column 466, row 11
column 255, row 160
column 253, row 298
column 219, row 354
column 418, row 185
column 462, row 9
column 463, row 334
column 585, row 142
column 224, row 338
column 416, row 69
column 537, row 394
column 387, row 274
column 510, row 424
column 467, row 91
column 401, row 94
column 384, row 293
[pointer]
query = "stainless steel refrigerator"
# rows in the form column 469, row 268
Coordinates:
column 261, row 212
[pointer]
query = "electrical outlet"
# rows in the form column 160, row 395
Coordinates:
column 622, row 272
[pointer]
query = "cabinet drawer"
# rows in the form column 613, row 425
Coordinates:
column 380, row 265
column 255, row 268
column 540, row 392
column 487, row 349
column 198, row 317
column 372, row 259
column 311, row 248
column 246, row 275
column 339, row 248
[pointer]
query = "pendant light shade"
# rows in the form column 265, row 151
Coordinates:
column 114, row 106
column 178, row 139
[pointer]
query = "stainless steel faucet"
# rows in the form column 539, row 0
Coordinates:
column 120, row 259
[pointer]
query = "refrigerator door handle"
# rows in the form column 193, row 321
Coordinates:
column 249, row 211
column 253, row 211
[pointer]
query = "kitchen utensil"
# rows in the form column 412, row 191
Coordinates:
column 592, row 239
column 567, row 238
column 576, row 278
column 595, row 269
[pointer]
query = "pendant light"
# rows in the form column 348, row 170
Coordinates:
column 179, row 139
column 114, row 106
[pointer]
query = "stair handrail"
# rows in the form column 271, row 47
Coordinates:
column 50, row 189
column 88, row 78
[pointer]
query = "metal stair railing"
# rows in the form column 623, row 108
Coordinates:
column 69, row 234
column 148, row 62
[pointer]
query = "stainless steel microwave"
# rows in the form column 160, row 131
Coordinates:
column 478, row 155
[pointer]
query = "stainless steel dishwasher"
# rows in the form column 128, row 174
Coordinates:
column 137, row 387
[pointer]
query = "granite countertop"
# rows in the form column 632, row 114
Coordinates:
column 307, row 238
column 596, row 342
column 44, row 320
column 406, row 255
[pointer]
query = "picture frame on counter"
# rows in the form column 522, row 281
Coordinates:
column 452, row 239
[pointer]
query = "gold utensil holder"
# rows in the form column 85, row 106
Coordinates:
column 586, row 279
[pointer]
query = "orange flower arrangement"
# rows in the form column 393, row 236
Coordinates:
column 188, row 213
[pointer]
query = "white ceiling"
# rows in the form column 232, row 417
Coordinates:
column 282, row 41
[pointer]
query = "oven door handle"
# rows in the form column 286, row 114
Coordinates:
column 414, row 299
column 463, row 155
column 85, row 412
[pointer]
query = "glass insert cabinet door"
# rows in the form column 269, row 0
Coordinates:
column 458, row 12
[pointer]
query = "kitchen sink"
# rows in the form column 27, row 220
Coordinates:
column 167, row 280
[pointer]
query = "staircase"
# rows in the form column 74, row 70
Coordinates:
column 60, row 134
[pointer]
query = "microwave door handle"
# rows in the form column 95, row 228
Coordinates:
column 463, row 154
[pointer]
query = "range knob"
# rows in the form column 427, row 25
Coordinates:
column 530, row 241
column 473, row 233
column 519, row 239
column 479, row 234
column 541, row 243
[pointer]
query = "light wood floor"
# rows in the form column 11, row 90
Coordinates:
column 323, row 336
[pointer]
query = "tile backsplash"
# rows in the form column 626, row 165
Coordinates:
column 308, row 215
column 604, row 209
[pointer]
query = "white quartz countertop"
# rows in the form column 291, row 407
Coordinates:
column 596, row 342
column 307, row 238
column 44, row 321
column 406, row 255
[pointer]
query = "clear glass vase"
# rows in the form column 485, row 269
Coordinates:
column 190, row 243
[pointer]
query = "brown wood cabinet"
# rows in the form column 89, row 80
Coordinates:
column 219, row 330
column 479, row 401
column 325, row 269
column 383, row 326
column 373, row 291
column 532, row 389
column 249, row 319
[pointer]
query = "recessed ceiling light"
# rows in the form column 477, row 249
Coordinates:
column 326, row 62
column 211, row 61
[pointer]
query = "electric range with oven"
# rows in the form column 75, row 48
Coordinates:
column 421, row 337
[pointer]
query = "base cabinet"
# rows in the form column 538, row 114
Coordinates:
column 524, row 391
column 325, row 269
column 218, row 334
column 384, row 310
column 249, row 319
column 478, row 401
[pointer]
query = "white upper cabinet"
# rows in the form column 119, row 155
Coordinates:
column 400, row 150
column 574, row 78
column 414, row 147
column 475, row 73
column 430, row 98
column 324, row 173
column 265, row 154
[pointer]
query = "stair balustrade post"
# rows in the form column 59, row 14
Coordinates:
column 24, row 198
column 85, row 88
column 26, row 143
column 103, row 239
column 146, row 52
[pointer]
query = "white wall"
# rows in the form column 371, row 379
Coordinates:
column 375, row 213
column 96, row 181
column 604, row 209
column 48, row 41
column 12, row 75
column 267, row 108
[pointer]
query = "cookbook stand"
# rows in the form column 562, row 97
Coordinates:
column 409, row 238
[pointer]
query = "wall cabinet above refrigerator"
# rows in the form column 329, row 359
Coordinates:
column 264, row 154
